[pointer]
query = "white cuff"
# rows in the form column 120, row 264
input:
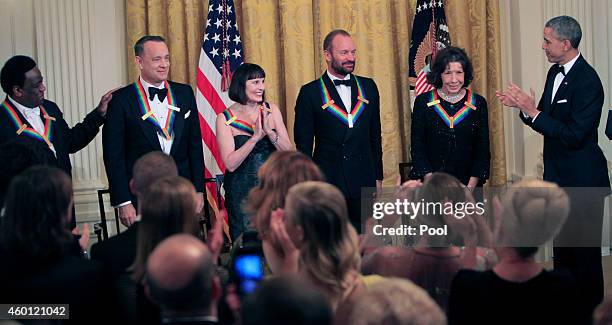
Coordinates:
column 122, row 204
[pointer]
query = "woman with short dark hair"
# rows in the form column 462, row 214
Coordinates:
column 247, row 133
column 450, row 129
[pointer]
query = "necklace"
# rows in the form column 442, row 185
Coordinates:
column 451, row 98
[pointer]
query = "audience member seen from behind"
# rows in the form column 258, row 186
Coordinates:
column 603, row 313
column 181, row 280
column 118, row 252
column 35, row 247
column 286, row 300
column 318, row 241
column 279, row 173
column 530, row 214
column 19, row 154
column 395, row 301
column 169, row 207
column 247, row 133
column 434, row 261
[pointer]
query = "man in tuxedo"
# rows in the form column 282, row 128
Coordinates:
column 568, row 116
column 339, row 113
column 609, row 126
column 151, row 114
column 26, row 113
column 118, row 252
column 182, row 281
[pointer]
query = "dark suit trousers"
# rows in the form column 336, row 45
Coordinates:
column 583, row 262
column 354, row 211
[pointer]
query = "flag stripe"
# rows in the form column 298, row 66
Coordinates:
column 210, row 142
column 220, row 55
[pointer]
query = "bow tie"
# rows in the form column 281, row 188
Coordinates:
column 559, row 68
column 342, row 82
column 32, row 112
column 161, row 93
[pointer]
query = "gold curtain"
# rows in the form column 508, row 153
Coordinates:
column 179, row 22
column 285, row 37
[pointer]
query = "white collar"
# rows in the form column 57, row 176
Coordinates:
column 146, row 85
column 21, row 108
column 570, row 64
column 332, row 77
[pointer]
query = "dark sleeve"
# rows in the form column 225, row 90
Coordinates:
column 585, row 112
column 196, row 155
column 113, row 148
column 96, row 252
column 609, row 126
column 375, row 133
column 528, row 120
column 482, row 161
column 79, row 136
column 303, row 127
column 460, row 300
column 418, row 135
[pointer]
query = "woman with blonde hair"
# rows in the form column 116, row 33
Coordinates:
column 531, row 213
column 319, row 241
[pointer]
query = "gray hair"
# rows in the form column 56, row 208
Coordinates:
column 566, row 28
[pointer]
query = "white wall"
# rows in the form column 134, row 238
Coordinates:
column 80, row 48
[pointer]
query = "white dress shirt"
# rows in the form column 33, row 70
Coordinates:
column 343, row 90
column 160, row 110
column 559, row 77
column 33, row 117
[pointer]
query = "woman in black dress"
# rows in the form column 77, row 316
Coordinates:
column 450, row 131
column 247, row 133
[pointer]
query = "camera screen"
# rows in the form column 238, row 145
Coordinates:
column 249, row 269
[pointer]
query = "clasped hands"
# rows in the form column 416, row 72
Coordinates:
column 262, row 126
column 514, row 96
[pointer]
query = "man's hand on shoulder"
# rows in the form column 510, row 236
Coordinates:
column 103, row 105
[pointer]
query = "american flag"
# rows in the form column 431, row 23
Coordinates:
column 220, row 55
column 429, row 34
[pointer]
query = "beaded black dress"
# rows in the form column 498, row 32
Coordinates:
column 450, row 138
column 238, row 183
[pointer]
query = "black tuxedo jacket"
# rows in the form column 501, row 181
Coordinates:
column 350, row 158
column 609, row 126
column 126, row 137
column 66, row 140
column 569, row 124
column 118, row 252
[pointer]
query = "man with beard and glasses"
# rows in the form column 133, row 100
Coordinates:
column 339, row 113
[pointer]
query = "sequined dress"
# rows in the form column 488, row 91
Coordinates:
column 238, row 183
column 446, row 139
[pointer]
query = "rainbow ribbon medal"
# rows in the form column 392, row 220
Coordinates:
column 232, row 120
column 347, row 118
column 147, row 113
column 451, row 121
column 23, row 128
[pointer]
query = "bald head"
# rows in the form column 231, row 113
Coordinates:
column 149, row 168
column 180, row 274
